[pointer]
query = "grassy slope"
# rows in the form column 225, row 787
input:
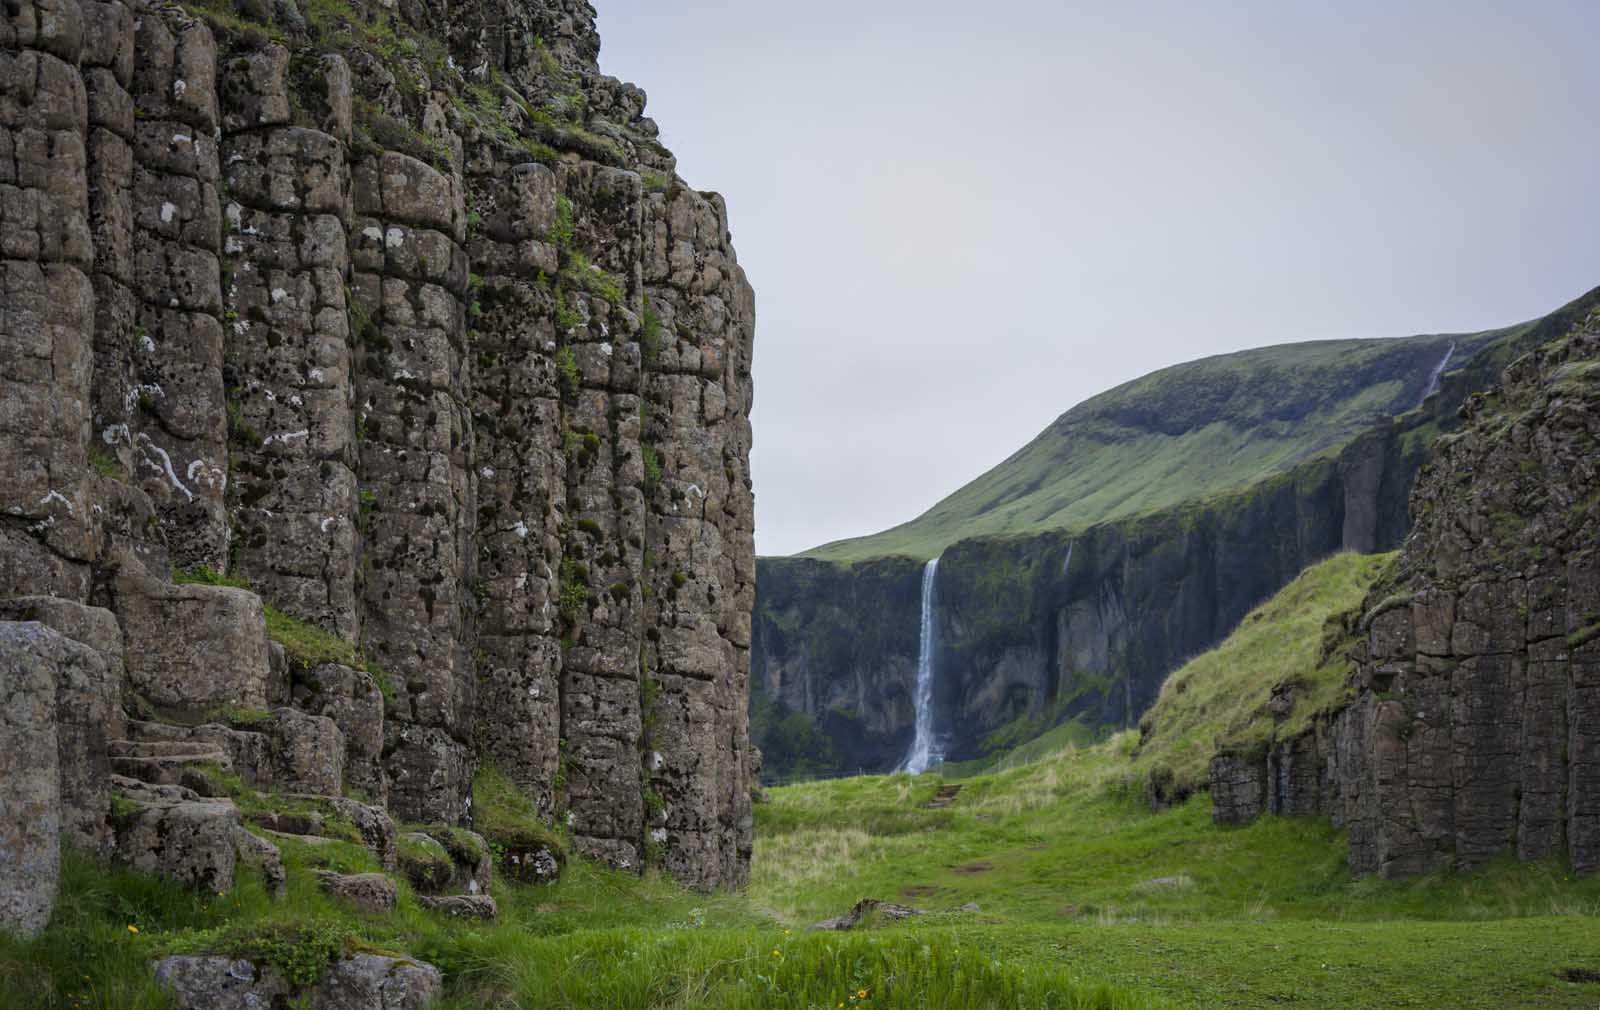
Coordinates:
column 1223, row 694
column 1063, row 858
column 1183, row 433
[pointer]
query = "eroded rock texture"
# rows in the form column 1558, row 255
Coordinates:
column 426, row 343
column 1473, row 729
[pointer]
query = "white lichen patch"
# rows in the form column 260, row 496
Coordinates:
column 278, row 295
column 372, row 232
column 521, row 530
column 56, row 496
column 285, row 437
column 179, row 86
column 158, row 460
column 605, row 349
column 394, row 238
column 168, row 212
column 138, row 392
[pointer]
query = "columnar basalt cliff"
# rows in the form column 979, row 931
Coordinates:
column 1472, row 729
column 402, row 320
column 1040, row 627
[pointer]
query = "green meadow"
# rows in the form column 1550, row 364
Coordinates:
column 1046, row 883
column 1084, row 898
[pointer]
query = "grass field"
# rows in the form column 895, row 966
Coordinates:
column 1069, row 868
column 1084, row 897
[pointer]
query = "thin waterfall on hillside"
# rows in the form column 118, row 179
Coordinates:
column 924, row 748
column 1433, row 376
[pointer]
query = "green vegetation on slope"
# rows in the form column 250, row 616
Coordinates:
column 1068, row 866
column 1294, row 639
column 1184, row 433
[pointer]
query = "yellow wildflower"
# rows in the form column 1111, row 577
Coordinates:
column 133, row 929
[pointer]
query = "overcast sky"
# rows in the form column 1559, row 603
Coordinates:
column 961, row 219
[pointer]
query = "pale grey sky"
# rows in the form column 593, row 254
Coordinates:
column 961, row 219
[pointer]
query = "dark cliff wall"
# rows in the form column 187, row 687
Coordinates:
column 1030, row 636
column 405, row 318
column 860, row 623
column 1473, row 729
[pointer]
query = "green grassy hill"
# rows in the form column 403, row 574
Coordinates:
column 1184, row 433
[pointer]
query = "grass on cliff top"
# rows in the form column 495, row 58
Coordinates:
column 1221, row 696
column 1184, row 433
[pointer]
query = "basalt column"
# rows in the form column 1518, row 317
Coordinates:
column 601, row 598
column 286, row 195
column 170, row 416
column 700, row 313
column 521, row 470
column 46, row 302
column 416, row 491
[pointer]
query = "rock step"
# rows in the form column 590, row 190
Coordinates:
column 170, row 770
column 164, row 748
column 944, row 797
column 143, row 792
column 141, row 729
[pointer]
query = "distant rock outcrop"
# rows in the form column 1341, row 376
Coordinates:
column 1475, row 725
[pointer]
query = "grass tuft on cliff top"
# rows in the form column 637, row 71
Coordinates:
column 1298, row 638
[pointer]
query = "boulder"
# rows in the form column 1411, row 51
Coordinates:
column 30, row 777
column 191, row 648
column 88, row 707
column 364, row 892
column 193, row 841
column 462, row 906
column 362, row 982
column 869, row 912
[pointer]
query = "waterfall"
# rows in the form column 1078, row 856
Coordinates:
column 1433, row 377
column 924, row 749
column 1067, row 561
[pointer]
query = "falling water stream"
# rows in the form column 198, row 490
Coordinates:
column 1433, row 377
column 924, row 749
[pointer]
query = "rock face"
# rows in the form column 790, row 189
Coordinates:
column 30, row 778
column 1034, row 629
column 1472, row 732
column 362, row 982
column 437, row 355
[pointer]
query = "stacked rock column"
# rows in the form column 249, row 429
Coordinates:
column 601, row 718
column 416, row 493
column 290, row 391
column 521, row 471
column 46, row 301
column 701, row 319
column 171, row 416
